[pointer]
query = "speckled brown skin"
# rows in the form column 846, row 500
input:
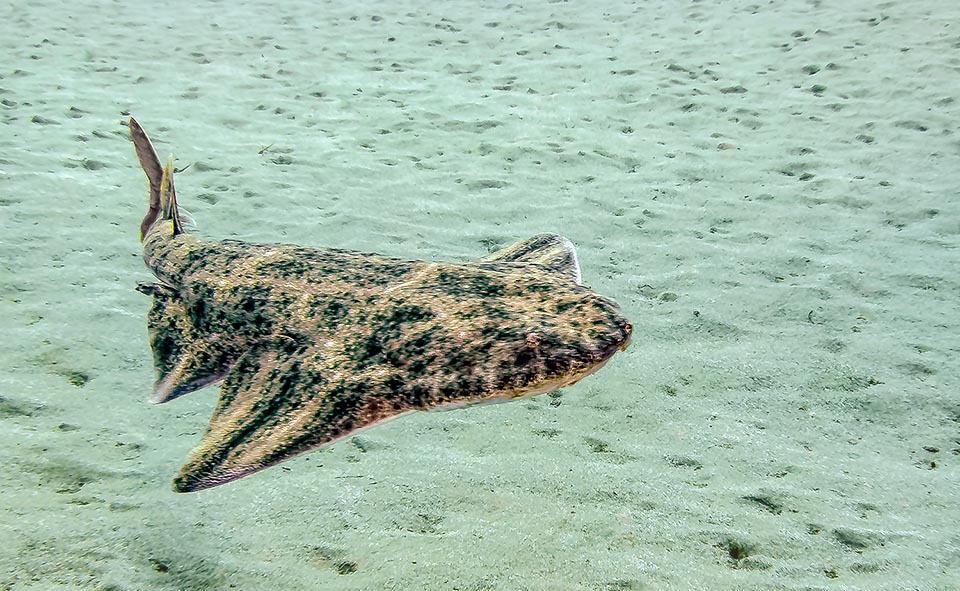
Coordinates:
column 314, row 344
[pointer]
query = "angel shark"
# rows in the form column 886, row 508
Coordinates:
column 313, row 344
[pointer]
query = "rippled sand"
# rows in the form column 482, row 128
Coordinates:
column 769, row 190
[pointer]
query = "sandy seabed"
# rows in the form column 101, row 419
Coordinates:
column 769, row 189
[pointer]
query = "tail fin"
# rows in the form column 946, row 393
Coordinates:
column 163, row 195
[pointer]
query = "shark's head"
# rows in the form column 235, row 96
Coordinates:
column 568, row 357
column 551, row 337
column 560, row 349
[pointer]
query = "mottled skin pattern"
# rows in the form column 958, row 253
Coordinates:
column 314, row 344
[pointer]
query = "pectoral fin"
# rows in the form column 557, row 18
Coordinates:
column 550, row 250
column 277, row 402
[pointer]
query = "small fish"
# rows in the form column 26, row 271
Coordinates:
column 313, row 344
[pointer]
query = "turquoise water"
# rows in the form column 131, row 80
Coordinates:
column 769, row 191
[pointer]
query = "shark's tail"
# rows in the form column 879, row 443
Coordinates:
column 163, row 195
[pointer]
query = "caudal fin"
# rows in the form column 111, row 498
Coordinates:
column 163, row 195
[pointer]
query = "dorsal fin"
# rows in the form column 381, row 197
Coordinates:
column 550, row 250
column 168, row 199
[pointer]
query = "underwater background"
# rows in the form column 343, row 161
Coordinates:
column 770, row 191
